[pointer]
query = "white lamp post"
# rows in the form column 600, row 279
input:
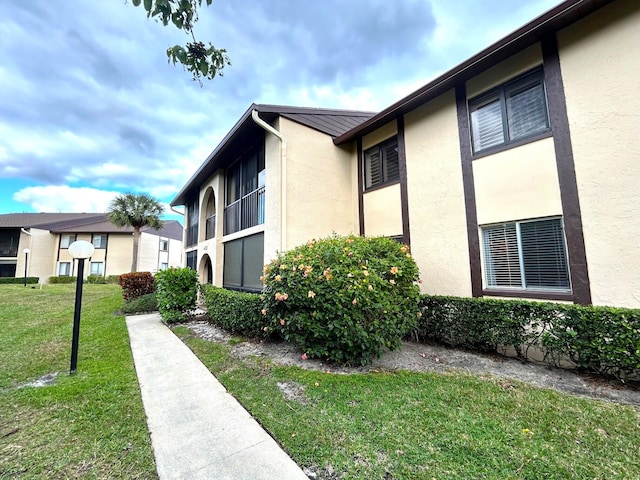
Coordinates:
column 26, row 252
column 80, row 250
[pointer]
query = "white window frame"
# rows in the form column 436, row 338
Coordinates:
column 164, row 245
column 501, row 99
column 98, row 270
column 164, row 266
column 66, row 240
column 97, row 241
column 514, row 270
column 60, row 271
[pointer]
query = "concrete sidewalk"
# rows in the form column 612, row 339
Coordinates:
column 198, row 430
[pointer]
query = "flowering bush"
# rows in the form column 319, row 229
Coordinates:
column 343, row 299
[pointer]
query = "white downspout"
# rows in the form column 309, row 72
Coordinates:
column 283, row 177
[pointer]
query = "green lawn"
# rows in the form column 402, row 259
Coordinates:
column 423, row 426
column 90, row 425
column 372, row 426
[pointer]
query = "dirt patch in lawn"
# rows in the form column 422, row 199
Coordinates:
column 419, row 357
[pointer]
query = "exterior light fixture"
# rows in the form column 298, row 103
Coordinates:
column 80, row 250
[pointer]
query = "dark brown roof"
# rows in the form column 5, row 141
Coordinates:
column 245, row 132
column 27, row 220
column 81, row 223
column 553, row 20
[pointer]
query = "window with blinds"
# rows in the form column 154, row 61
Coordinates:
column 382, row 164
column 526, row 255
column 511, row 112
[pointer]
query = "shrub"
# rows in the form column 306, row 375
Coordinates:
column 62, row 279
column 136, row 284
column 177, row 293
column 113, row 278
column 20, row 280
column 605, row 340
column 144, row 304
column 237, row 312
column 602, row 339
column 344, row 299
column 96, row 279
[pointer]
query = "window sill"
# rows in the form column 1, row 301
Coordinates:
column 532, row 294
column 510, row 145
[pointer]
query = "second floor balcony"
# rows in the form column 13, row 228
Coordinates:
column 245, row 212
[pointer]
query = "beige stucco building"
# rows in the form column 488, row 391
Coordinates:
column 514, row 174
column 47, row 236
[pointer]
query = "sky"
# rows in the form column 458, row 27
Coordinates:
column 90, row 107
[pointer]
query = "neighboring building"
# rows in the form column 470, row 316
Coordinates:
column 515, row 174
column 48, row 235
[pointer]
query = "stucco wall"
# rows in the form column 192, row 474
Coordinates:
column 148, row 252
column 436, row 198
column 600, row 69
column 318, row 188
column 383, row 212
column 273, row 241
column 42, row 260
column 517, row 184
column 523, row 61
column 119, row 254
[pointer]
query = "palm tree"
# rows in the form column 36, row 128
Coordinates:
column 137, row 211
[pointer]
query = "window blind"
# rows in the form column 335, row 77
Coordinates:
column 543, row 254
column 502, row 262
column 526, row 111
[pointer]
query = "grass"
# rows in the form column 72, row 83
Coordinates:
column 90, row 425
column 420, row 426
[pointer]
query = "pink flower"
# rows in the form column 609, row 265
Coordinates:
column 354, row 301
column 392, row 281
column 266, row 329
column 404, row 249
column 263, row 311
column 278, row 278
column 281, row 297
column 304, row 356
column 394, row 270
column 311, row 294
column 282, row 322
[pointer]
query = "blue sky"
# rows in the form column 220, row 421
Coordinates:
column 90, row 107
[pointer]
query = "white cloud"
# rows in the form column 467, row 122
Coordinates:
column 62, row 198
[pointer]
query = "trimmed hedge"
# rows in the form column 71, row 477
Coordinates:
column 236, row 312
column 605, row 340
column 62, row 279
column 144, row 304
column 136, row 284
column 177, row 293
column 18, row 280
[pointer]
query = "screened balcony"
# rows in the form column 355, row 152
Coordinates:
column 244, row 213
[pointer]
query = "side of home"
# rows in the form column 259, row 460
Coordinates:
column 512, row 175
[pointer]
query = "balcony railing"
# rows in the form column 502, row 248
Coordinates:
column 9, row 251
column 245, row 213
column 210, row 228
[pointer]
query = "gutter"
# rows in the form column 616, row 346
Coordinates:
column 283, row 176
